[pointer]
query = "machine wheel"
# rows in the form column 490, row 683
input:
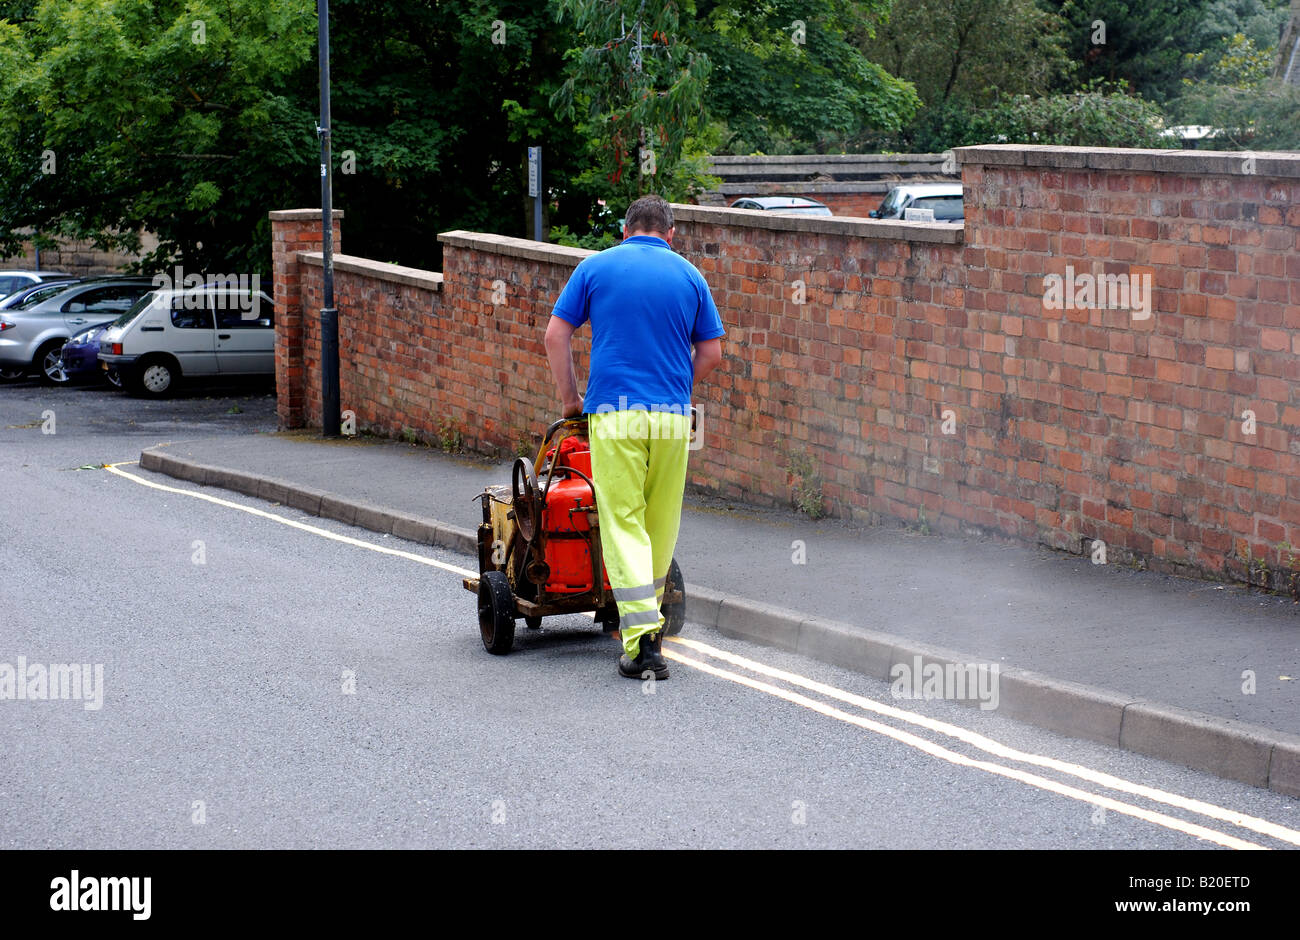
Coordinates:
column 523, row 488
column 496, row 612
column 10, row 374
column 113, row 378
column 675, row 613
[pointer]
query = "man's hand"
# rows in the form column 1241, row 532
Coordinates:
column 572, row 409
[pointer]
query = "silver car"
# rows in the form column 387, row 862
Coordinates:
column 784, row 205
column 11, row 281
column 942, row 199
column 191, row 332
column 32, row 336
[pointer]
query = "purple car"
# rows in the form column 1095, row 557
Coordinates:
column 80, row 356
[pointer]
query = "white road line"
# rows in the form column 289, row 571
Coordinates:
column 1262, row 826
column 314, row 530
column 922, row 744
column 936, row 750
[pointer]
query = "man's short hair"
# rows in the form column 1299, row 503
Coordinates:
column 649, row 214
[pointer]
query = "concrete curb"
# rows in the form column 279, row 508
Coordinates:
column 1226, row 748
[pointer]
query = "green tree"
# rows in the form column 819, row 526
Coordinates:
column 1099, row 115
column 972, row 50
column 635, row 87
column 166, row 116
column 439, row 102
column 1140, row 44
column 963, row 55
column 433, row 106
column 788, row 75
column 1232, row 90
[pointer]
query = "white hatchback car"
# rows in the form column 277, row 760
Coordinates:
column 175, row 333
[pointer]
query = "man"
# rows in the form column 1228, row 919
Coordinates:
column 649, row 308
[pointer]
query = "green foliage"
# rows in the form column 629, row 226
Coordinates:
column 596, row 241
column 1259, row 21
column 951, row 52
column 1236, row 62
column 775, row 94
column 450, row 438
column 1230, row 88
column 1262, row 118
column 1144, row 42
column 1097, row 116
column 635, row 86
column 807, row 494
column 164, row 115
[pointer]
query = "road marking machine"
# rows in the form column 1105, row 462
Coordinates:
column 539, row 545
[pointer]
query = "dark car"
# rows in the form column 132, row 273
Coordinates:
column 80, row 357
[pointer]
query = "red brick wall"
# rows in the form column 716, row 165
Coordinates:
column 1066, row 424
column 292, row 231
column 391, row 366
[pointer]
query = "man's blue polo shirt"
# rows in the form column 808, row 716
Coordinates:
column 647, row 306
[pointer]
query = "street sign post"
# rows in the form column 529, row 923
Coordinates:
column 535, row 189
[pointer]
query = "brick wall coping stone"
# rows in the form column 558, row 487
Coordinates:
column 1202, row 162
column 516, row 247
column 852, row 186
column 382, row 270
column 299, row 215
column 943, row 233
column 831, row 158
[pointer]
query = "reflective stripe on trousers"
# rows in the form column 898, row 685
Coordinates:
column 638, row 466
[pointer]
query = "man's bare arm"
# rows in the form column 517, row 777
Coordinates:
column 559, row 333
column 708, row 354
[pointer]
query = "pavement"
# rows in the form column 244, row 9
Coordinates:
column 1194, row 672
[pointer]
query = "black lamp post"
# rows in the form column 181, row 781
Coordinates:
column 331, row 417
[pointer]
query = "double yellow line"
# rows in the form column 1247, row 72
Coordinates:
column 820, row 706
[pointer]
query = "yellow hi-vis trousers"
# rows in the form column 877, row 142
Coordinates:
column 638, row 467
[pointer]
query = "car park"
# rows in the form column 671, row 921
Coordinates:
column 174, row 334
column 943, row 199
column 32, row 337
column 783, row 205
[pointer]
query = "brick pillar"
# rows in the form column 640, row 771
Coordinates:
column 292, row 231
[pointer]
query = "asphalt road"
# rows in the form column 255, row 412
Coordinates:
column 267, row 684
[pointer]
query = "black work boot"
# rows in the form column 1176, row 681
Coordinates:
column 648, row 662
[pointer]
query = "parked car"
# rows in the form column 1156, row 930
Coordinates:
column 27, row 297
column 943, row 198
column 34, row 293
column 80, row 357
column 191, row 333
column 32, row 337
column 11, row 281
column 783, row 205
